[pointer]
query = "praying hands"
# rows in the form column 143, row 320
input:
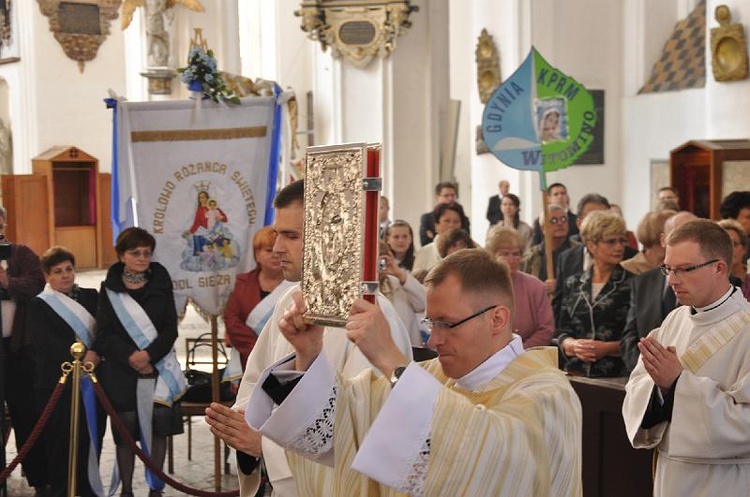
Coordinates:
column 661, row 363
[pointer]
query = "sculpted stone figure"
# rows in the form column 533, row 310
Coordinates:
column 157, row 35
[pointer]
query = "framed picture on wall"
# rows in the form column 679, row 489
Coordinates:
column 595, row 154
column 659, row 179
column 9, row 51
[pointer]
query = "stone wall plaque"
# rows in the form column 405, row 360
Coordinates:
column 79, row 18
column 356, row 30
column 80, row 27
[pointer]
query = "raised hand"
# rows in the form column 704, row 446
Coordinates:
column 368, row 328
column 307, row 339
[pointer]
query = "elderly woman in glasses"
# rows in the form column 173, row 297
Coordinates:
column 532, row 319
column 595, row 303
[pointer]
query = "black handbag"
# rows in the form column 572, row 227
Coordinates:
column 199, row 382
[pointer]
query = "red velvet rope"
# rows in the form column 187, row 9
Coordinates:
column 40, row 424
column 157, row 471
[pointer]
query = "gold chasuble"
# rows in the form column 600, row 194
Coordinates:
column 517, row 435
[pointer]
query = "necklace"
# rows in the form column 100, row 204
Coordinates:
column 134, row 278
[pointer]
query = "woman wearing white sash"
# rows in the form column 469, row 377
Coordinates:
column 255, row 293
column 138, row 292
column 62, row 314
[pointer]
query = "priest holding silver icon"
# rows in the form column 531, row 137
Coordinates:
column 230, row 424
column 442, row 427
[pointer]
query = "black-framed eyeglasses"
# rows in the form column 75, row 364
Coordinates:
column 681, row 271
column 442, row 325
column 561, row 219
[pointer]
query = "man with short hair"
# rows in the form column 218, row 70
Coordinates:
column 229, row 424
column 689, row 395
column 445, row 193
column 494, row 213
column 484, row 418
column 557, row 194
column 668, row 194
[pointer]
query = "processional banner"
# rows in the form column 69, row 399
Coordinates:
column 200, row 180
column 539, row 119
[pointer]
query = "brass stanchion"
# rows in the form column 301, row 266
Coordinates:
column 77, row 350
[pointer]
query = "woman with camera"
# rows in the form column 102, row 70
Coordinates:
column 407, row 295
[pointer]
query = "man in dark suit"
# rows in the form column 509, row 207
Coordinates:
column 494, row 214
column 651, row 299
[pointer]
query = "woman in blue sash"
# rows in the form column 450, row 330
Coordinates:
column 137, row 328
column 58, row 317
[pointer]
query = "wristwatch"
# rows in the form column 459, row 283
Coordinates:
column 396, row 375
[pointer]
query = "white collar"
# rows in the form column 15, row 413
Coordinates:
column 493, row 366
column 717, row 302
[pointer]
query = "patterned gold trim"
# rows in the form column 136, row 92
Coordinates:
column 712, row 341
column 185, row 135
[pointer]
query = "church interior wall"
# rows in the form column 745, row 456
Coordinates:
column 69, row 103
column 582, row 39
column 654, row 124
column 609, row 45
column 419, row 72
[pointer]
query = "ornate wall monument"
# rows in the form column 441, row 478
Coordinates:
column 356, row 30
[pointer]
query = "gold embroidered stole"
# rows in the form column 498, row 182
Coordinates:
column 361, row 401
column 709, row 343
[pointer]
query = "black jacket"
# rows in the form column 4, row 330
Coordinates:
column 601, row 319
column 114, row 343
column 52, row 337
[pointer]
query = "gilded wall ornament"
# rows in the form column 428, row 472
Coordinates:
column 80, row 27
column 334, row 228
column 488, row 66
column 356, row 30
column 728, row 47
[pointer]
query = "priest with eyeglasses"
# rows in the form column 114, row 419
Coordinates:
column 689, row 394
column 486, row 417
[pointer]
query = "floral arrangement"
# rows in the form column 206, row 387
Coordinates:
column 201, row 75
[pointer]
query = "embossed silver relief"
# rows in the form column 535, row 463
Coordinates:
column 333, row 231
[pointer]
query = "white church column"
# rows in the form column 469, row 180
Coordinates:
column 508, row 23
column 396, row 101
